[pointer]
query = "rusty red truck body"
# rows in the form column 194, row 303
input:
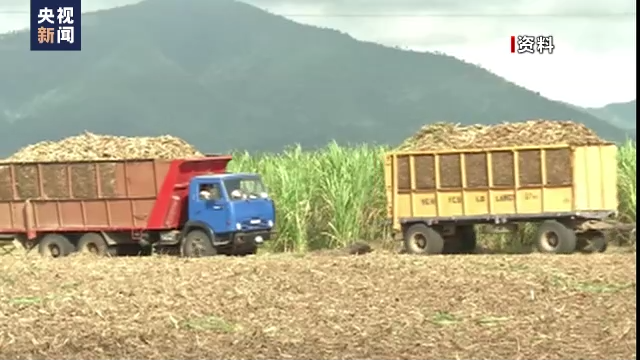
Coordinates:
column 103, row 206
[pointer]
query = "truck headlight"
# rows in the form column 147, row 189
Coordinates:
column 270, row 223
column 238, row 226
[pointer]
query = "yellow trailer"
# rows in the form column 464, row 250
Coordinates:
column 435, row 198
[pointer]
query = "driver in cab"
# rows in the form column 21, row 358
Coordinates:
column 234, row 188
column 207, row 192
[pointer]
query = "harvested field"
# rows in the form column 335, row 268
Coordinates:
column 446, row 136
column 375, row 306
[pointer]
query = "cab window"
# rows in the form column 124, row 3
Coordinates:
column 246, row 186
column 209, row 192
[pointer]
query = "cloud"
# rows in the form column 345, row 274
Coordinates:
column 461, row 21
column 594, row 62
column 462, row 5
column 455, row 22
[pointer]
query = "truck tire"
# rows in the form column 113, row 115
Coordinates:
column 55, row 246
column 554, row 237
column 424, row 240
column 93, row 243
column 592, row 241
column 197, row 244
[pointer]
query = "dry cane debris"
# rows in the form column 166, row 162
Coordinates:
column 377, row 306
column 89, row 146
column 84, row 147
column 443, row 136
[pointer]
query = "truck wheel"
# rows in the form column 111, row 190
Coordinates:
column 94, row 244
column 422, row 239
column 592, row 241
column 55, row 246
column 554, row 237
column 197, row 244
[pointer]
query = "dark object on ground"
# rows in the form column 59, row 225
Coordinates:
column 359, row 248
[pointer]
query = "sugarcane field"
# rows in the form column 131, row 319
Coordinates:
column 479, row 242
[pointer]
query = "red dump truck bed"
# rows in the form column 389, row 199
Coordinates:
column 98, row 195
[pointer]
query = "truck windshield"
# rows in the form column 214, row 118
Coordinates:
column 244, row 187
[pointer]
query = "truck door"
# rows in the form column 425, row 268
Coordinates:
column 211, row 207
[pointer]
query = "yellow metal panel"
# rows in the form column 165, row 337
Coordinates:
column 389, row 183
column 609, row 161
column 556, row 200
column 450, row 203
column 529, row 201
column 412, row 182
column 580, row 179
column 391, row 174
column 436, row 170
column 501, row 181
column 477, row 202
column 595, row 178
column 403, row 207
column 503, row 201
column 426, row 204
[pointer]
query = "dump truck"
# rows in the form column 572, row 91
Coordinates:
column 193, row 206
column 435, row 198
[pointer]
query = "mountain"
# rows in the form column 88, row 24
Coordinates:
column 622, row 115
column 226, row 75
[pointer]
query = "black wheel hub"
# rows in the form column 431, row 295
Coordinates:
column 54, row 250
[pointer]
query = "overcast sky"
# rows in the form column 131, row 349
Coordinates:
column 594, row 62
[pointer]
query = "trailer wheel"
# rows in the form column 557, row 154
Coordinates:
column 197, row 244
column 554, row 237
column 422, row 239
column 592, row 241
column 55, row 246
column 94, row 244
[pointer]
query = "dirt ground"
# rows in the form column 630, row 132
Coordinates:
column 374, row 306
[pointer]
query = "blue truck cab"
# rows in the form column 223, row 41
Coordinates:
column 233, row 211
